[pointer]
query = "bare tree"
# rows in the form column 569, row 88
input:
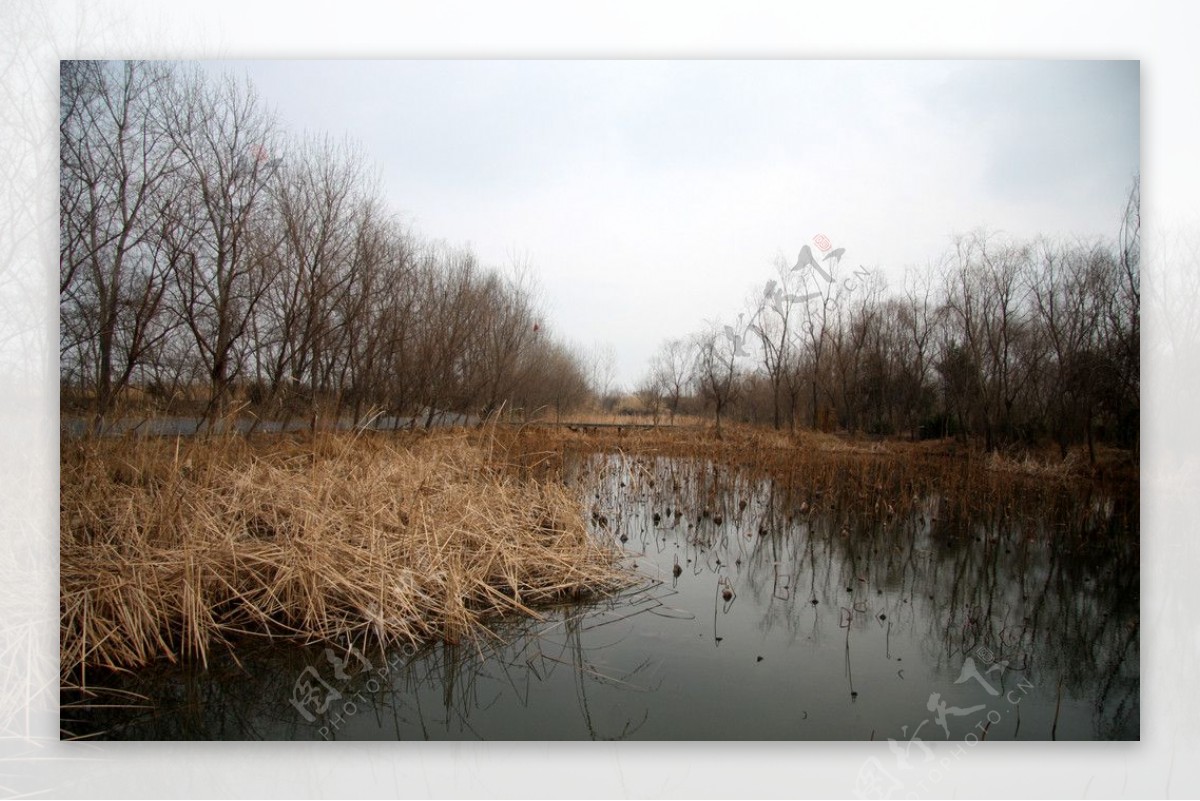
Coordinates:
column 449, row 300
column 1123, row 319
column 556, row 377
column 715, row 370
column 116, row 162
column 650, row 393
column 819, row 300
column 672, row 369
column 320, row 218
column 220, row 256
column 1068, row 312
column 508, row 329
column 855, row 321
column 603, row 373
column 987, row 314
column 774, row 327
column 917, row 321
column 199, row 249
column 377, row 245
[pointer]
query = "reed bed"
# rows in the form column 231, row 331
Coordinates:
column 172, row 547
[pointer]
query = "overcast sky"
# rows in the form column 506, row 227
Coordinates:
column 652, row 195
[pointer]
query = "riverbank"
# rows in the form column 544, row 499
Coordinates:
column 933, row 464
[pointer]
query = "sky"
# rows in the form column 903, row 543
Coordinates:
column 652, row 196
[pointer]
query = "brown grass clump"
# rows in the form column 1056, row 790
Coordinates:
column 169, row 547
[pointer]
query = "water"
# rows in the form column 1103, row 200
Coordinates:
column 183, row 426
column 1015, row 619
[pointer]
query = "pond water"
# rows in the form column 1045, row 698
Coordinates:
column 793, row 615
column 180, row 426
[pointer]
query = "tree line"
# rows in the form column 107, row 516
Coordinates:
column 210, row 260
column 1010, row 341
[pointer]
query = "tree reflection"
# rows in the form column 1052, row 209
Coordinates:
column 443, row 691
column 1041, row 576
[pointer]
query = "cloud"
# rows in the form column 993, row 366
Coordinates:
column 1046, row 132
column 652, row 195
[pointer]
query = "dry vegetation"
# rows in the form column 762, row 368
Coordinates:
column 860, row 477
column 171, row 547
column 785, row 454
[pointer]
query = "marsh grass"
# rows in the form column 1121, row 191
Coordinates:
column 173, row 547
column 852, row 477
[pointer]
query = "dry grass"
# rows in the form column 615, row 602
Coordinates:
column 171, row 547
column 1028, row 465
column 839, row 474
column 788, row 451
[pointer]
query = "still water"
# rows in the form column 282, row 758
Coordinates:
column 793, row 615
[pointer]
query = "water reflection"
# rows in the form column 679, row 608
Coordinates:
column 831, row 607
column 1041, row 578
